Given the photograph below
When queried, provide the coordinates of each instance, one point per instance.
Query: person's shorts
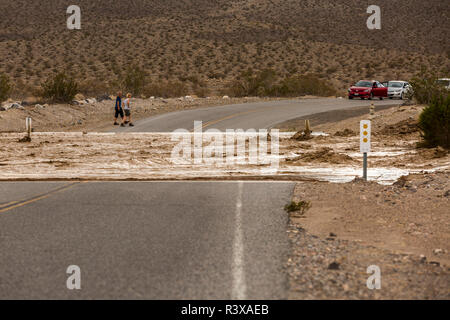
(127, 112)
(119, 112)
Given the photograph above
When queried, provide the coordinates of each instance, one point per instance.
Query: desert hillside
(207, 43)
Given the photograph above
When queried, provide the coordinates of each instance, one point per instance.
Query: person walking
(118, 110)
(127, 108)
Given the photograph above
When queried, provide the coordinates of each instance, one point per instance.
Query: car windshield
(445, 83)
(366, 84)
(395, 84)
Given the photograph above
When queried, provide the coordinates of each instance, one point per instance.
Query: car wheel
(371, 96)
(381, 98)
(391, 98)
(350, 97)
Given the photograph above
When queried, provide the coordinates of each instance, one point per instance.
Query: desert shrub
(303, 85)
(425, 87)
(59, 88)
(253, 84)
(267, 83)
(167, 89)
(301, 207)
(434, 122)
(201, 91)
(5, 87)
(93, 87)
(134, 80)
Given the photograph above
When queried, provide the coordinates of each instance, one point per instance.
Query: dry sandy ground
(403, 228)
(100, 116)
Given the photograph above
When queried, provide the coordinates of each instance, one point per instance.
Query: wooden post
(29, 126)
(307, 128)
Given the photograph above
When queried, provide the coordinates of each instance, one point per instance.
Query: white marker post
(365, 128)
(29, 128)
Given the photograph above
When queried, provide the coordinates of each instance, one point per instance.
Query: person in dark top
(118, 109)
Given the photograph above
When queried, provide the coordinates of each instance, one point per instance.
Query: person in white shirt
(127, 109)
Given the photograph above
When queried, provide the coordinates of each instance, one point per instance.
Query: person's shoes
(122, 125)
(131, 125)
(126, 122)
(116, 124)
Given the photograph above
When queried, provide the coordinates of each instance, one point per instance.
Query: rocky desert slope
(205, 44)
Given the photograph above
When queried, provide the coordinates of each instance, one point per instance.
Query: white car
(398, 89)
(445, 82)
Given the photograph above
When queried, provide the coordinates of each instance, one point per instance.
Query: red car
(368, 89)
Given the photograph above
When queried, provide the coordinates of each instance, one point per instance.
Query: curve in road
(260, 115)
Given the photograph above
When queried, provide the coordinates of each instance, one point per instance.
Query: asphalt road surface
(155, 240)
(144, 240)
(260, 115)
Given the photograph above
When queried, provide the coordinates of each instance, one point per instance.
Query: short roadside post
(29, 128)
(372, 110)
(365, 128)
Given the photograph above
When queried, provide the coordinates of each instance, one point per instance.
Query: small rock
(438, 251)
(333, 266)
(423, 259)
(15, 105)
(25, 139)
(226, 97)
(103, 97)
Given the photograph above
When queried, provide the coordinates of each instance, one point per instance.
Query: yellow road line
(17, 204)
(8, 204)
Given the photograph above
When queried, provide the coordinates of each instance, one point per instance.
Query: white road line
(239, 288)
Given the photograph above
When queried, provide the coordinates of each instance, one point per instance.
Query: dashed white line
(239, 287)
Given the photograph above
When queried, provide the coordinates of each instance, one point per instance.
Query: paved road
(133, 240)
(245, 116)
(155, 240)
